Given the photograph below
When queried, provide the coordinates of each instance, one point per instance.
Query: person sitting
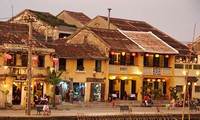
(43, 100)
(46, 109)
(146, 99)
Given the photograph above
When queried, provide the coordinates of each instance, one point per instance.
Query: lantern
(35, 59)
(8, 57)
(157, 55)
(112, 53)
(123, 53)
(147, 55)
(55, 60)
(133, 54)
(166, 56)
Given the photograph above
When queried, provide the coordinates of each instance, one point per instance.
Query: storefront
(79, 91)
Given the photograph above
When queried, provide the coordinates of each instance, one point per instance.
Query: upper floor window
(41, 61)
(98, 66)
(80, 66)
(24, 59)
(146, 59)
(156, 60)
(62, 64)
(166, 60)
(11, 60)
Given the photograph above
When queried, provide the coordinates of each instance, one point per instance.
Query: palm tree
(157, 94)
(54, 79)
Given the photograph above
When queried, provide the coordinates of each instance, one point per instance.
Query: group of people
(43, 101)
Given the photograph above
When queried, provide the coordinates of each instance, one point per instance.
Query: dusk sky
(176, 18)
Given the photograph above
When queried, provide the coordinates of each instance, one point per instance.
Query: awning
(192, 79)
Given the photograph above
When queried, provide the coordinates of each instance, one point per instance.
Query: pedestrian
(71, 94)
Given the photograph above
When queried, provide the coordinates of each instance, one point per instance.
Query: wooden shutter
(102, 92)
(92, 92)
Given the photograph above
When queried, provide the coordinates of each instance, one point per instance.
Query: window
(156, 60)
(197, 88)
(156, 85)
(179, 88)
(24, 59)
(146, 60)
(80, 66)
(166, 61)
(98, 66)
(12, 61)
(112, 60)
(41, 61)
(122, 59)
(62, 64)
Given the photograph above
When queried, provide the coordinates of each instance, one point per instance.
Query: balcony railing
(123, 69)
(157, 71)
(13, 70)
(182, 68)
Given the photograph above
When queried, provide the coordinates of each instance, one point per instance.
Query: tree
(5, 93)
(173, 92)
(157, 94)
(146, 89)
(54, 79)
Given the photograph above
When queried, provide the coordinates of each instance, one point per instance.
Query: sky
(179, 19)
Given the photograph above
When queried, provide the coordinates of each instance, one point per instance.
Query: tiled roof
(76, 51)
(132, 25)
(149, 42)
(116, 40)
(79, 16)
(60, 41)
(12, 33)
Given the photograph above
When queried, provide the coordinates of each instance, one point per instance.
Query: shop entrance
(79, 91)
(16, 94)
(38, 91)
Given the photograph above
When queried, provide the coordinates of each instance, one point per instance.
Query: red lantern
(34, 59)
(8, 57)
(147, 55)
(112, 53)
(55, 60)
(166, 56)
(133, 54)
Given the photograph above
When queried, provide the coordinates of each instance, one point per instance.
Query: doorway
(16, 94)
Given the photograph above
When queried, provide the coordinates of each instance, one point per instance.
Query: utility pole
(29, 20)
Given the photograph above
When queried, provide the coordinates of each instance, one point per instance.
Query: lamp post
(29, 20)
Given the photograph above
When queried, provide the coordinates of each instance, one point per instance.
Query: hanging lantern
(112, 53)
(8, 57)
(166, 56)
(55, 60)
(147, 55)
(34, 59)
(157, 55)
(123, 53)
(133, 54)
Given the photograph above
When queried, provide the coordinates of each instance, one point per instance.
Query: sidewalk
(96, 108)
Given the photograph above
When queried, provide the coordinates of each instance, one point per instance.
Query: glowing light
(163, 80)
(148, 80)
(195, 83)
(166, 56)
(157, 55)
(123, 53)
(147, 55)
(184, 72)
(35, 59)
(112, 77)
(112, 53)
(189, 83)
(133, 54)
(158, 80)
(153, 80)
(55, 60)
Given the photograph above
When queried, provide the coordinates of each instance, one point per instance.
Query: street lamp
(29, 20)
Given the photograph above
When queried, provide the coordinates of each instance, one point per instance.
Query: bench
(125, 108)
(39, 108)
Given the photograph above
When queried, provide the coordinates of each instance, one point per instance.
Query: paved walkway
(100, 108)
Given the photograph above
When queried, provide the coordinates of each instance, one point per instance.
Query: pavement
(95, 108)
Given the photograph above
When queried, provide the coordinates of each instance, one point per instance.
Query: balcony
(123, 69)
(159, 71)
(182, 68)
(13, 70)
